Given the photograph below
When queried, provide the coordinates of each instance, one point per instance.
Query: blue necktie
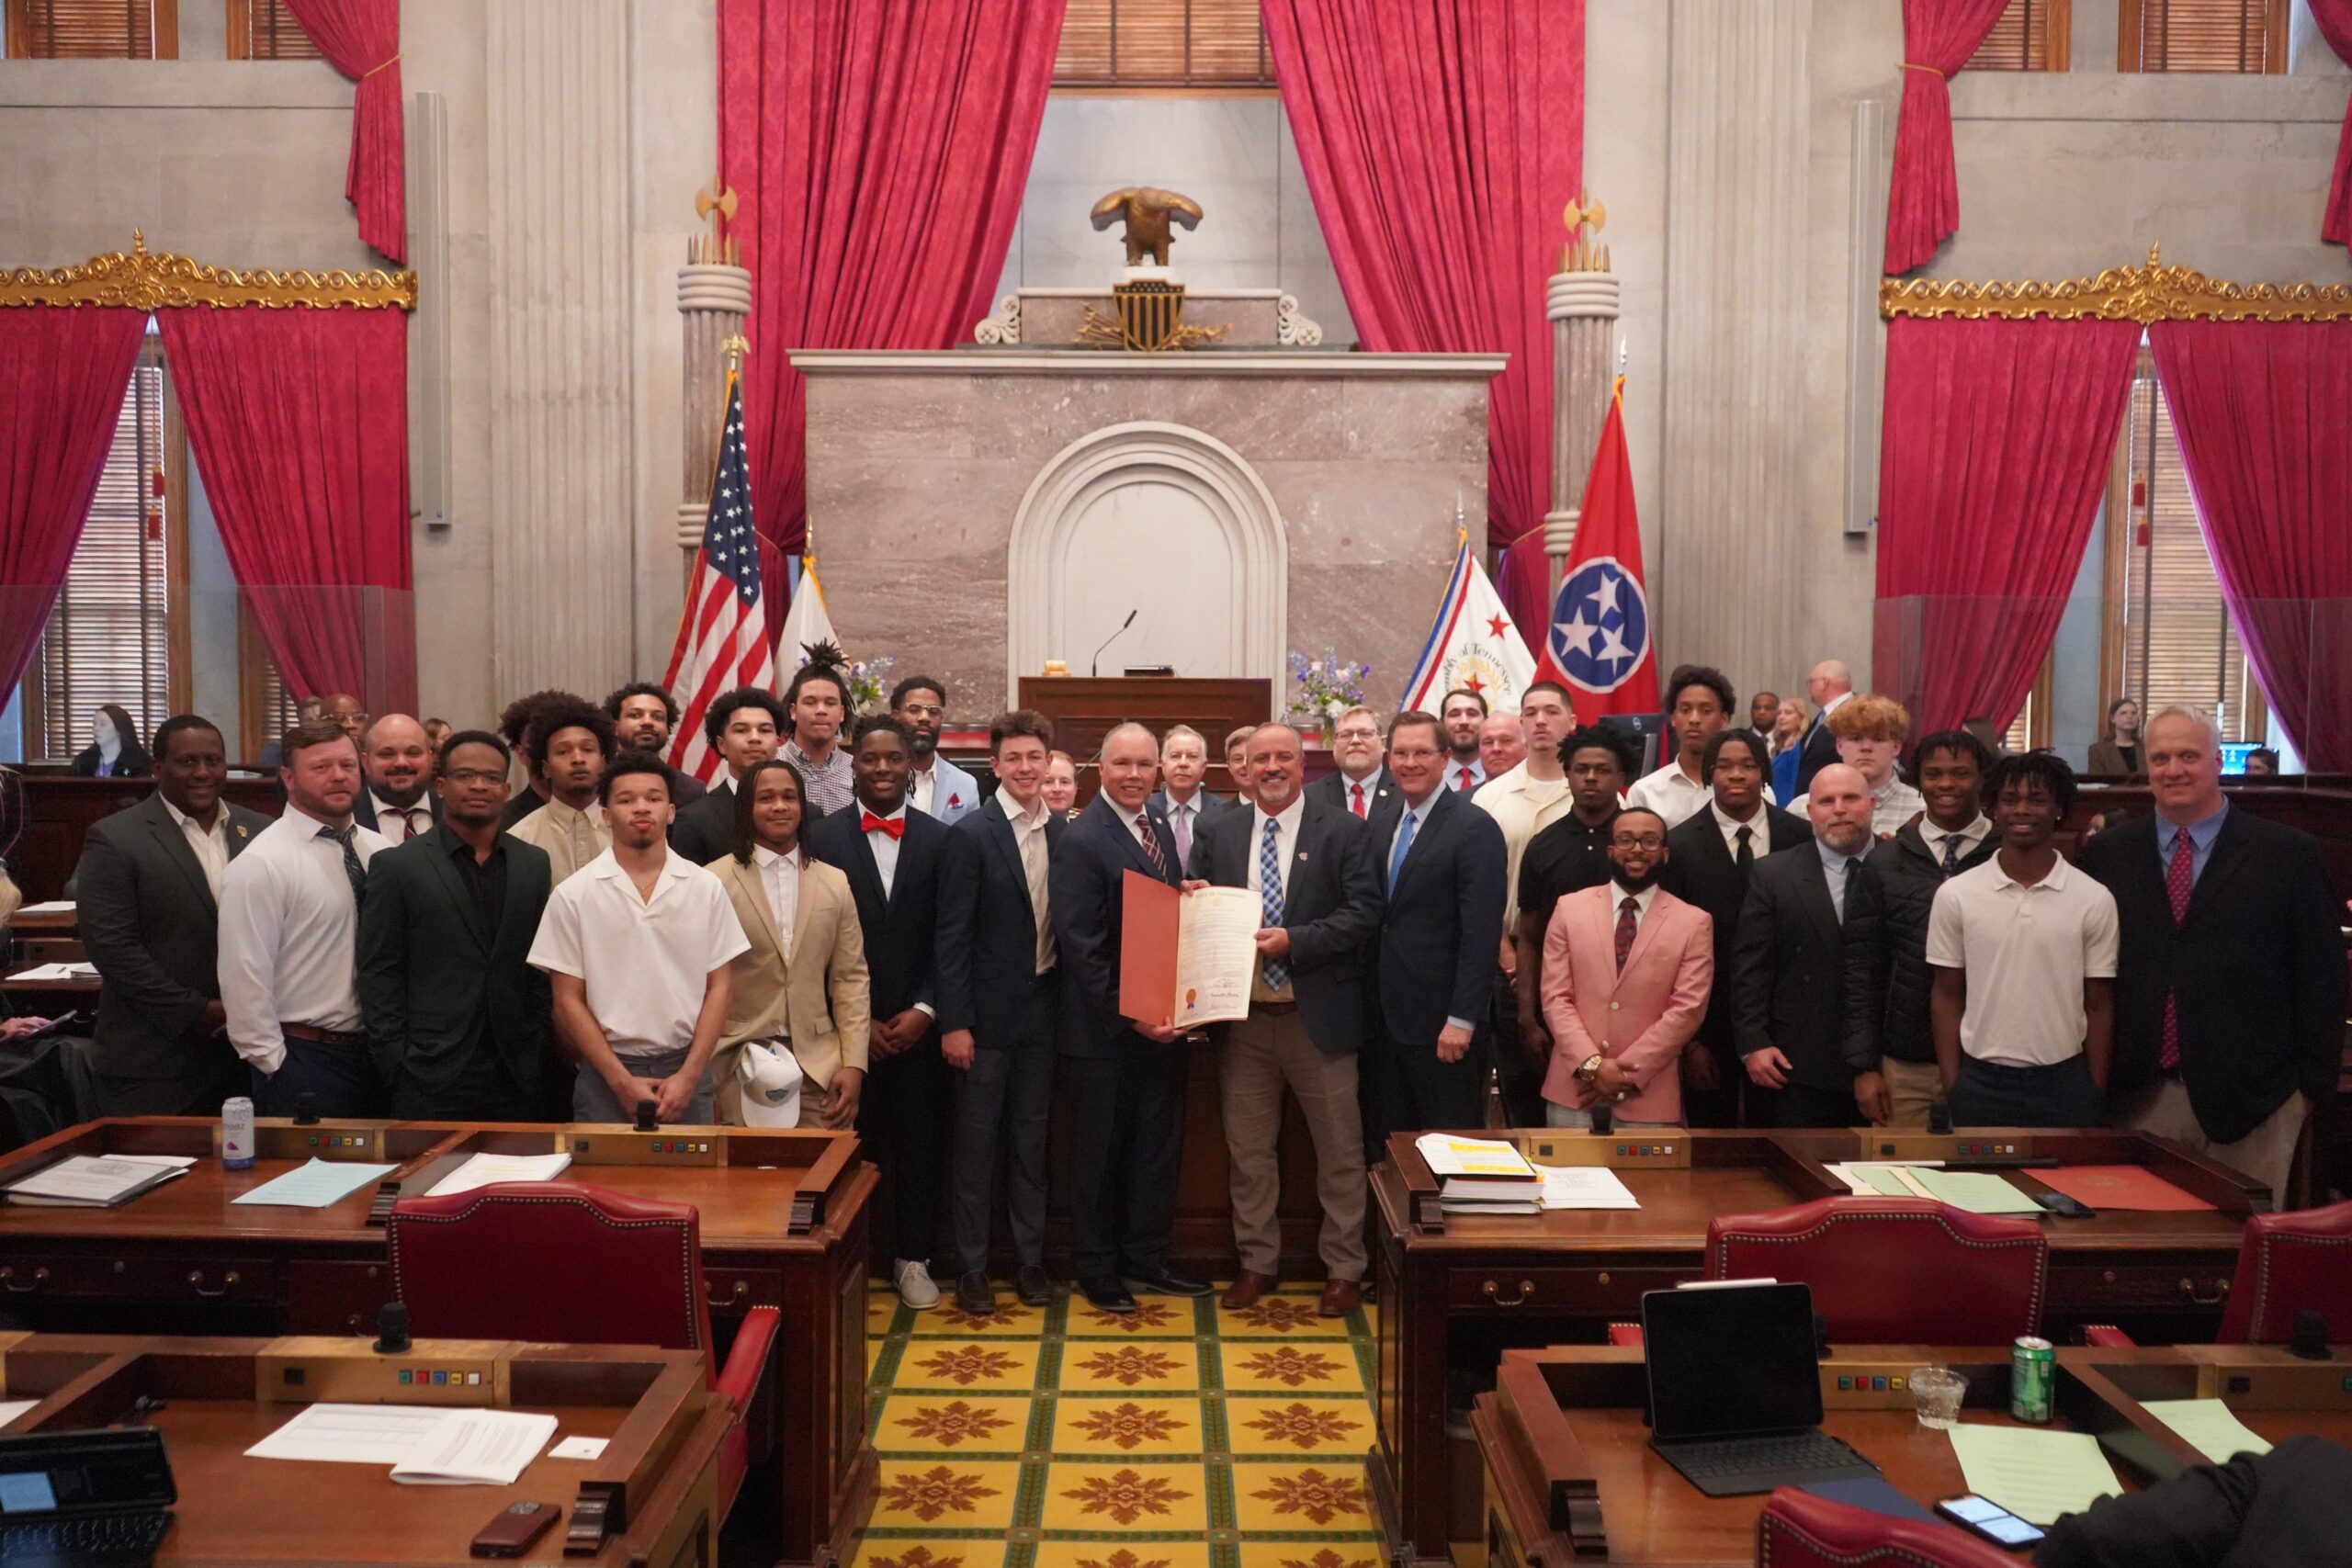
(1404, 843)
(1270, 897)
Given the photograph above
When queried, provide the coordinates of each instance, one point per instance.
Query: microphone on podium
(1096, 667)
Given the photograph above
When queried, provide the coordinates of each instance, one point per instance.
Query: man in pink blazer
(1626, 971)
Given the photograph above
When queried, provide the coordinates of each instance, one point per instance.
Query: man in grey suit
(147, 888)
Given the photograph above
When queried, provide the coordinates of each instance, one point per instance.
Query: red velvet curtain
(1997, 439)
(297, 420)
(880, 150)
(63, 372)
(2264, 411)
(1441, 140)
(362, 40)
(1923, 203)
(2334, 20)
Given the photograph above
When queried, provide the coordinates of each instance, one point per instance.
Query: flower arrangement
(1327, 686)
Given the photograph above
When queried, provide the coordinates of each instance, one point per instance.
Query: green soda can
(2033, 1373)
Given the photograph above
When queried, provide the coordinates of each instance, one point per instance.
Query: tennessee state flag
(1599, 644)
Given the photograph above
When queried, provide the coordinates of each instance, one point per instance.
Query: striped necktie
(1269, 896)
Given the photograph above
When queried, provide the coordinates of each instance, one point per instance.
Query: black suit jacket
(1788, 970)
(147, 919)
(987, 942)
(1443, 923)
(2256, 1511)
(1087, 903)
(1701, 872)
(901, 927)
(362, 811)
(1330, 907)
(2257, 968)
(1383, 801)
(131, 762)
(432, 979)
(704, 830)
(1820, 749)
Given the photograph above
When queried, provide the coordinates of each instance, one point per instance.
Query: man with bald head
(1127, 1074)
(1828, 684)
(396, 761)
(1502, 744)
(1788, 964)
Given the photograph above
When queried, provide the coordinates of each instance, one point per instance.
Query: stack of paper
(1585, 1187)
(1978, 1191)
(2209, 1425)
(54, 907)
(486, 1169)
(1480, 1176)
(57, 972)
(428, 1445)
(96, 1181)
(320, 1184)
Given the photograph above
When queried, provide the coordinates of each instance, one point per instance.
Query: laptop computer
(93, 1499)
(1735, 1389)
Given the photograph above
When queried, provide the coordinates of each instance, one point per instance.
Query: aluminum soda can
(2033, 1373)
(237, 1132)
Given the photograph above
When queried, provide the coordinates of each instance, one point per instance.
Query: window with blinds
(1162, 43)
(266, 29)
(2249, 36)
(2180, 645)
(109, 639)
(2032, 34)
(93, 30)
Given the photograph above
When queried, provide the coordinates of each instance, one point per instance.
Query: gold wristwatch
(1590, 1069)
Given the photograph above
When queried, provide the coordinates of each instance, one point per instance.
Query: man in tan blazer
(804, 978)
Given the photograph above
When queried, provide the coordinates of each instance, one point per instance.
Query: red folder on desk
(2119, 1187)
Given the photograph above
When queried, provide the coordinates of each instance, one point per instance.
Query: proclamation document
(1186, 958)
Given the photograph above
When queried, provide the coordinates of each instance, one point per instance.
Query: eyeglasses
(1646, 841)
(922, 710)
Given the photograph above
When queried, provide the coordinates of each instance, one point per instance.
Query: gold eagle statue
(1147, 212)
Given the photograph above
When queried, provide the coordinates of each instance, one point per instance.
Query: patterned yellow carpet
(1182, 1437)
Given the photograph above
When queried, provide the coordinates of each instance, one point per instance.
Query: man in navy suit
(1184, 763)
(1128, 1077)
(1828, 684)
(896, 860)
(1361, 784)
(1443, 863)
(1309, 863)
(997, 974)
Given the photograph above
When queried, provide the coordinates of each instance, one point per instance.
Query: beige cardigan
(819, 991)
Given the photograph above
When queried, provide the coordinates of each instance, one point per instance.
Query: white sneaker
(915, 1286)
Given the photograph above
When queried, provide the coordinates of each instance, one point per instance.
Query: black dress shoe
(973, 1294)
(1163, 1281)
(1032, 1285)
(1106, 1293)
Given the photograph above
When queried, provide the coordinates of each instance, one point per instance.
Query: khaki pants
(2266, 1154)
(1911, 1087)
(1260, 1054)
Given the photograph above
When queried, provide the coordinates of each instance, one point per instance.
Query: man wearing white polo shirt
(636, 946)
(2023, 950)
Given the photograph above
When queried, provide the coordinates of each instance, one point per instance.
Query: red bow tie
(869, 823)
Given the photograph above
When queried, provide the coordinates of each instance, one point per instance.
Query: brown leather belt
(321, 1036)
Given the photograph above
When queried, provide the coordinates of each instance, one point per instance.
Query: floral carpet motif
(1178, 1436)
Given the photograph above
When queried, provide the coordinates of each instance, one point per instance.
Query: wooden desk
(649, 1498)
(1455, 1292)
(2266, 1387)
(46, 996)
(784, 1225)
(1570, 1476)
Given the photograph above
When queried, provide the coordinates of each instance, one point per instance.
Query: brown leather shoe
(1246, 1289)
(1340, 1297)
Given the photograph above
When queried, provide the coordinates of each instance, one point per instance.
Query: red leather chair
(1895, 1270)
(1798, 1530)
(564, 1262)
(2297, 1261)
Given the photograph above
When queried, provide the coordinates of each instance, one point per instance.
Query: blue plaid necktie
(1270, 897)
(1396, 855)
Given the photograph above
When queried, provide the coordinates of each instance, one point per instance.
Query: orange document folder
(1185, 958)
(2119, 1187)
(1151, 922)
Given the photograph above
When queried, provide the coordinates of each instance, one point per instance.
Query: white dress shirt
(1136, 821)
(645, 962)
(922, 782)
(210, 847)
(1285, 839)
(390, 819)
(290, 933)
(780, 880)
(1970, 837)
(885, 848)
(1671, 792)
(1759, 837)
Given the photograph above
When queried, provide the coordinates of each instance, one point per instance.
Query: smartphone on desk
(2069, 1208)
(1988, 1520)
(511, 1531)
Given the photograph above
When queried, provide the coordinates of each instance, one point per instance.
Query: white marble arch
(1161, 519)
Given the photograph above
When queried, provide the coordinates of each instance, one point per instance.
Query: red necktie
(1463, 782)
(896, 827)
(2180, 880)
(407, 825)
(1356, 806)
(1628, 917)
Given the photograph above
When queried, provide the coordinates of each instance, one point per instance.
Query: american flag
(722, 638)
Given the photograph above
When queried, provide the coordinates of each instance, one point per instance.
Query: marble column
(1727, 569)
(1583, 304)
(557, 76)
(713, 298)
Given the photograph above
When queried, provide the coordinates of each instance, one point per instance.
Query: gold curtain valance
(2152, 293)
(149, 280)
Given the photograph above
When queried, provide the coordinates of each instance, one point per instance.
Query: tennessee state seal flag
(1599, 644)
(1472, 645)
